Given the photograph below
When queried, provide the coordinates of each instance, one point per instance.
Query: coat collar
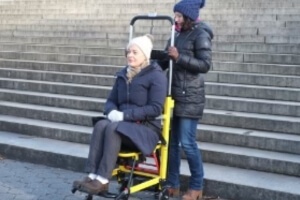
(123, 72)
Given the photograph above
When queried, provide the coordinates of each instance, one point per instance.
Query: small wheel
(89, 197)
(123, 195)
(164, 194)
(74, 190)
(123, 198)
(123, 185)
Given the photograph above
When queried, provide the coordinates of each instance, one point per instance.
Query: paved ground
(25, 181)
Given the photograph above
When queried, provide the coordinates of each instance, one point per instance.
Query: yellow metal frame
(154, 178)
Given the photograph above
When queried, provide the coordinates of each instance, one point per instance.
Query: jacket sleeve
(156, 97)
(202, 59)
(112, 100)
(161, 57)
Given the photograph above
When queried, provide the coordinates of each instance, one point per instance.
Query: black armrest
(159, 55)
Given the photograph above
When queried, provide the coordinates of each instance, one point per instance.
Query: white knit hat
(144, 43)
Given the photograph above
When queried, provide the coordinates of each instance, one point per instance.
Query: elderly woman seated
(137, 97)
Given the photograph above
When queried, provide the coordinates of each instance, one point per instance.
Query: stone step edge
(102, 100)
(109, 87)
(264, 37)
(36, 71)
(73, 157)
(94, 113)
(107, 65)
(121, 56)
(120, 51)
(204, 127)
(212, 147)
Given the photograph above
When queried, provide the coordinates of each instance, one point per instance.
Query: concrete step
(129, 16)
(71, 58)
(217, 47)
(89, 9)
(292, 24)
(69, 2)
(61, 49)
(122, 32)
(257, 39)
(258, 48)
(253, 79)
(258, 23)
(252, 121)
(54, 100)
(282, 39)
(254, 5)
(97, 104)
(250, 2)
(46, 129)
(77, 41)
(14, 23)
(257, 58)
(213, 2)
(157, 31)
(250, 138)
(108, 80)
(66, 77)
(256, 10)
(72, 156)
(249, 105)
(151, 5)
(219, 89)
(124, 25)
(252, 91)
(56, 88)
(62, 67)
(103, 15)
(211, 117)
(19, 9)
(47, 113)
(264, 160)
(275, 32)
(293, 70)
(70, 24)
(260, 160)
(289, 17)
(96, 6)
(287, 59)
(270, 141)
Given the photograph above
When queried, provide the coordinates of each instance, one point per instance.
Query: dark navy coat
(141, 100)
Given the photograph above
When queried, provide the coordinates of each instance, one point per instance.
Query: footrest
(102, 194)
(108, 195)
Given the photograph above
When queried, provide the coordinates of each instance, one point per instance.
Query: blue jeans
(184, 133)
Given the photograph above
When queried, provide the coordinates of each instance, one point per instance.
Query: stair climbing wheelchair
(134, 171)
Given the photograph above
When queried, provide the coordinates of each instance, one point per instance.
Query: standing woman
(137, 97)
(192, 56)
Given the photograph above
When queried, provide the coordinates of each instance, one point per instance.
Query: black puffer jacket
(195, 58)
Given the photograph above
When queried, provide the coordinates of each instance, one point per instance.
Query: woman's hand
(173, 53)
(115, 116)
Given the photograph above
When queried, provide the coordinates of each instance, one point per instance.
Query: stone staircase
(58, 58)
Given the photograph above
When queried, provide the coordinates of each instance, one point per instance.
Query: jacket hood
(204, 26)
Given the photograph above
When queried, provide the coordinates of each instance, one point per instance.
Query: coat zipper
(184, 78)
(127, 94)
(184, 83)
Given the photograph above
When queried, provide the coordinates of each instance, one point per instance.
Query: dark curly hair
(187, 24)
